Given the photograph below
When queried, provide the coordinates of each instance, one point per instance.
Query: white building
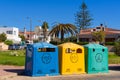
(11, 33)
(39, 34)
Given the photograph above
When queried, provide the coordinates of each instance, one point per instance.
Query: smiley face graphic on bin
(46, 58)
(74, 58)
(98, 57)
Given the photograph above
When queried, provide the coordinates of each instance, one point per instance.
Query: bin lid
(43, 45)
(70, 45)
(93, 45)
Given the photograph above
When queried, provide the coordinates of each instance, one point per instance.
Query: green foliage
(3, 37)
(7, 57)
(8, 42)
(45, 27)
(22, 37)
(35, 41)
(71, 39)
(117, 48)
(82, 43)
(62, 29)
(109, 43)
(82, 17)
(113, 58)
(56, 42)
(98, 36)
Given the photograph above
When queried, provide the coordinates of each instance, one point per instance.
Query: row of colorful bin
(68, 58)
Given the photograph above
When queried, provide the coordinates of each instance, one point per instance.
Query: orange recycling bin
(71, 58)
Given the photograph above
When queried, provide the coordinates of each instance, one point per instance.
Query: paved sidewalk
(15, 73)
(10, 71)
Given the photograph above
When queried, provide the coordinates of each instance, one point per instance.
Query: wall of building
(11, 33)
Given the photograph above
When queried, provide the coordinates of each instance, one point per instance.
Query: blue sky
(15, 12)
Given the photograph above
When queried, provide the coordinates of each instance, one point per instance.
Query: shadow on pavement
(18, 71)
(115, 68)
(22, 71)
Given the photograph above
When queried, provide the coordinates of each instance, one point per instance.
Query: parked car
(21, 46)
(15, 47)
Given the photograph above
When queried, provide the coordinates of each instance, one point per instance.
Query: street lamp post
(30, 37)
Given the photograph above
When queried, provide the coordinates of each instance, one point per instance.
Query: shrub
(3, 37)
(8, 42)
(35, 41)
(109, 43)
(71, 39)
(55, 42)
(22, 37)
(82, 43)
(117, 48)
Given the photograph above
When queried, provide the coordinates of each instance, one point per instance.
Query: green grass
(17, 57)
(113, 59)
(14, 57)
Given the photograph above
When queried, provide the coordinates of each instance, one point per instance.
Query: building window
(28, 36)
(9, 32)
(94, 29)
(97, 27)
(14, 32)
(41, 34)
(103, 29)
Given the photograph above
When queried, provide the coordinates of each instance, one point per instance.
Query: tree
(22, 37)
(8, 42)
(62, 29)
(3, 37)
(71, 39)
(99, 36)
(117, 48)
(82, 17)
(45, 29)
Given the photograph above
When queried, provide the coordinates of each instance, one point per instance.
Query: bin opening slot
(79, 50)
(46, 49)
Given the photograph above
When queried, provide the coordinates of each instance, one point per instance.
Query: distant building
(40, 35)
(29, 35)
(11, 33)
(111, 35)
(37, 34)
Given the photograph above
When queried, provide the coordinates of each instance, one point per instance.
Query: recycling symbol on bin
(74, 58)
(46, 58)
(98, 57)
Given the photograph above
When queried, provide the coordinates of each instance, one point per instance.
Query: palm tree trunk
(62, 36)
(44, 33)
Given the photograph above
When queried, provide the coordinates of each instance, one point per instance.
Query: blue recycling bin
(41, 59)
(96, 58)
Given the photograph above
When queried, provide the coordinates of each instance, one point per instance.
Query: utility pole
(30, 37)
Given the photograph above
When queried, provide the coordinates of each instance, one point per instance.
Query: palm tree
(45, 28)
(62, 29)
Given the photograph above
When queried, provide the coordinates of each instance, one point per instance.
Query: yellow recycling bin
(71, 58)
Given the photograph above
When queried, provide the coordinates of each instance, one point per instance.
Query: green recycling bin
(96, 58)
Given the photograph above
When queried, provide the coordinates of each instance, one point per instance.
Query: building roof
(27, 32)
(109, 32)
